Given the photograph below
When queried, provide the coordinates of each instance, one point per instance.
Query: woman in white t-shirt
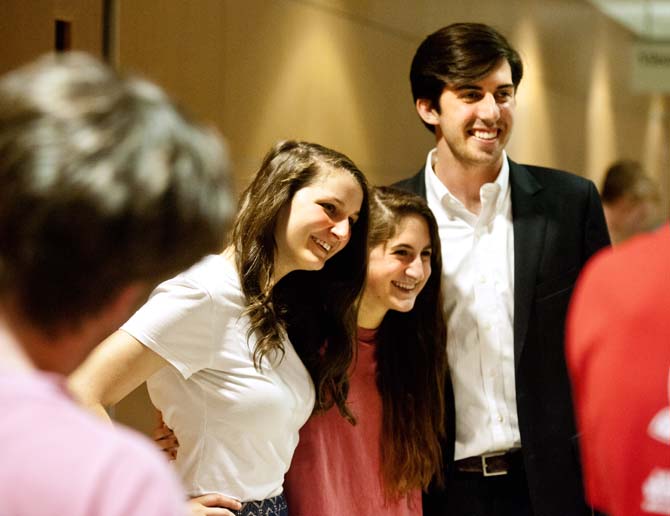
(233, 348)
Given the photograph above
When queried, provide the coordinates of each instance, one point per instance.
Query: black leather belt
(491, 464)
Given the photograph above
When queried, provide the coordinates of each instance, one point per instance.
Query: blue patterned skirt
(275, 506)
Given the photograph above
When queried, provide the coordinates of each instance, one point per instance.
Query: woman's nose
(341, 229)
(415, 269)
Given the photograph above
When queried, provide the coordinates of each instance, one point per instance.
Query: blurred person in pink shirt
(102, 181)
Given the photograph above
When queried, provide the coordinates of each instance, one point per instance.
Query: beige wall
(27, 28)
(336, 72)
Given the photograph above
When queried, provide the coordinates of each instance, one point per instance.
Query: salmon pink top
(336, 467)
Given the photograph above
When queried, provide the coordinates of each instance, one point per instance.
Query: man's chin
(484, 158)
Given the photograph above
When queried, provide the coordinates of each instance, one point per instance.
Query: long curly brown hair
(313, 307)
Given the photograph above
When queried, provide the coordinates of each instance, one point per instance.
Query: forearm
(85, 396)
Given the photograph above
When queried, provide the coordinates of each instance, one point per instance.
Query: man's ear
(426, 111)
(129, 299)
(124, 303)
(76, 341)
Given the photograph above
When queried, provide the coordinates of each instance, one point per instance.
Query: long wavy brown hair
(411, 358)
(313, 307)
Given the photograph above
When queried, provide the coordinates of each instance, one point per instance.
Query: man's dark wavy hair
(458, 54)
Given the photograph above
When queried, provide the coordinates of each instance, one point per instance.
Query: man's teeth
(485, 135)
(323, 244)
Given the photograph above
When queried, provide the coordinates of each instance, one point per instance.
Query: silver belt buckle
(485, 469)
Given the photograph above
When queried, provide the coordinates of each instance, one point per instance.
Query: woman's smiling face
(316, 223)
(397, 270)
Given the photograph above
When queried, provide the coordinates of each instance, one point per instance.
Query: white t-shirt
(237, 427)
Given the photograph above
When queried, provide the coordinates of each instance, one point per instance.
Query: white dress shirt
(478, 282)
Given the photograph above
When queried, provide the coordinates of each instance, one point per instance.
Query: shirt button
(482, 279)
(487, 326)
(500, 419)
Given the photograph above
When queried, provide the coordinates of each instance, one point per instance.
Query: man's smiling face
(476, 119)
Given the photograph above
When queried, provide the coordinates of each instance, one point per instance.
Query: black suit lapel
(415, 184)
(529, 227)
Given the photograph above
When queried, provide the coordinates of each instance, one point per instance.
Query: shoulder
(195, 307)
(131, 476)
(551, 178)
(415, 183)
(212, 282)
(75, 461)
(213, 274)
(643, 259)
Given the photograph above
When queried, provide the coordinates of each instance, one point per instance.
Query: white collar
(489, 194)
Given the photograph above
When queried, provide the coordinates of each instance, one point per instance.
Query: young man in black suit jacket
(514, 239)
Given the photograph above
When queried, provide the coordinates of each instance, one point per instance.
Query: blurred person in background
(618, 349)
(102, 182)
(630, 200)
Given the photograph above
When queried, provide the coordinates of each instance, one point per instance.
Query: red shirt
(618, 350)
(335, 470)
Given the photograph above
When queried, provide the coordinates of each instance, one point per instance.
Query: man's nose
(488, 108)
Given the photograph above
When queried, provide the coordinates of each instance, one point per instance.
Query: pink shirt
(57, 460)
(336, 466)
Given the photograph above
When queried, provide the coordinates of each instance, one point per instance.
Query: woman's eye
(329, 208)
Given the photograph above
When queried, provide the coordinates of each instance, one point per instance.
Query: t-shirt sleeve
(177, 323)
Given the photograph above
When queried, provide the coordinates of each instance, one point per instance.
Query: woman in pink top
(381, 464)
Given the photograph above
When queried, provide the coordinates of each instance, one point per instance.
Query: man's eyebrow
(479, 88)
(467, 87)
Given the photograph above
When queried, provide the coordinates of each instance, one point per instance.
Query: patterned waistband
(275, 506)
